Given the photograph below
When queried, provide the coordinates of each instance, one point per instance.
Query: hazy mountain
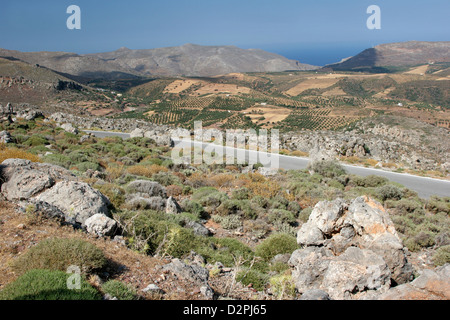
(397, 54)
(188, 60)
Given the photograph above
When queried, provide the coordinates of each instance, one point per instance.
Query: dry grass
(14, 153)
(146, 171)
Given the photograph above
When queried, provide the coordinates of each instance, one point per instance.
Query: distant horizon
(317, 33)
(315, 54)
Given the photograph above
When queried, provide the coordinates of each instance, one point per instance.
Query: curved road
(424, 186)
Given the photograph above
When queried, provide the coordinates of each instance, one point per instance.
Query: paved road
(424, 186)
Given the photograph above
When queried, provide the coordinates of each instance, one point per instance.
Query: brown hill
(397, 55)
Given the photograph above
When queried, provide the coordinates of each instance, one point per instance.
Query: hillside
(189, 60)
(141, 227)
(397, 55)
(21, 82)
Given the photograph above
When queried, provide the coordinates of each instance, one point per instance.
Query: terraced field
(297, 100)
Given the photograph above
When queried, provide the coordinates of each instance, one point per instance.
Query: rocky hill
(188, 59)
(398, 54)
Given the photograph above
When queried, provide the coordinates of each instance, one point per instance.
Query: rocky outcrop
(350, 250)
(410, 142)
(52, 190)
(195, 274)
(430, 285)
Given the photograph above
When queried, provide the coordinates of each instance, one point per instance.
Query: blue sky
(316, 32)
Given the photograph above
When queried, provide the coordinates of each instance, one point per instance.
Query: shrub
(304, 214)
(115, 194)
(85, 166)
(256, 279)
(389, 191)
(370, 181)
(436, 205)
(226, 250)
(442, 256)
(119, 290)
(193, 207)
(282, 216)
(47, 285)
(283, 287)
(257, 228)
(228, 222)
(276, 244)
(59, 254)
(165, 178)
(328, 169)
(240, 194)
(35, 140)
(174, 190)
(58, 159)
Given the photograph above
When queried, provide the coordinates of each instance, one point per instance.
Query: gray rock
(24, 183)
(195, 274)
(198, 228)
(5, 137)
(137, 133)
(172, 206)
(77, 200)
(101, 225)
(69, 128)
(361, 251)
(23, 179)
(315, 294)
(147, 188)
(430, 285)
(136, 202)
(153, 288)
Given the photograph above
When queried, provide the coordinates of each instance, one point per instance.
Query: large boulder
(23, 179)
(52, 190)
(349, 250)
(101, 225)
(78, 200)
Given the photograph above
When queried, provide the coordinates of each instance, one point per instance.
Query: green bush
(226, 250)
(256, 279)
(58, 159)
(436, 204)
(328, 169)
(442, 256)
(283, 287)
(59, 254)
(304, 214)
(119, 290)
(370, 181)
(35, 141)
(240, 194)
(389, 191)
(228, 222)
(85, 166)
(279, 243)
(47, 285)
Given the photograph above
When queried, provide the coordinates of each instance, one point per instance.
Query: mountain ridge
(188, 60)
(397, 54)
